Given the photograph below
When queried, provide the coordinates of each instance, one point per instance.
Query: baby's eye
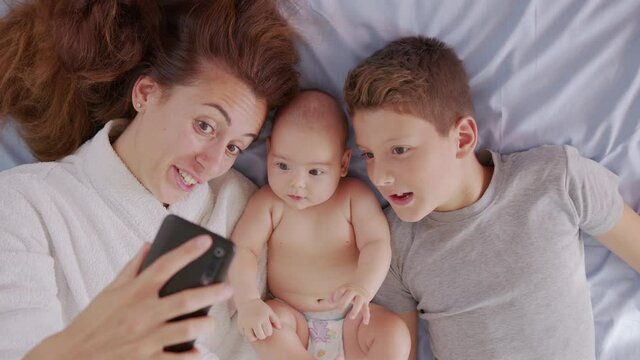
(282, 166)
(399, 150)
(234, 149)
(366, 155)
(315, 172)
(204, 127)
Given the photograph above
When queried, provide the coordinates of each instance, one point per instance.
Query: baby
(328, 247)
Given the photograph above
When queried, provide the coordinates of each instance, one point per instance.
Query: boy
(487, 249)
(328, 247)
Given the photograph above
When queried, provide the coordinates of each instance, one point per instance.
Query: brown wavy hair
(414, 75)
(68, 66)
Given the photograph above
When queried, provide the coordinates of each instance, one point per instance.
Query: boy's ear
(144, 91)
(467, 136)
(344, 164)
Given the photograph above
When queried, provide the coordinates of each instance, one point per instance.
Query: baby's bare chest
(317, 232)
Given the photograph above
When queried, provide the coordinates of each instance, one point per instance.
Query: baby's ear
(344, 164)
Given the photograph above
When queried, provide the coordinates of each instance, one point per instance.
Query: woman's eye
(282, 166)
(234, 149)
(399, 150)
(204, 127)
(315, 172)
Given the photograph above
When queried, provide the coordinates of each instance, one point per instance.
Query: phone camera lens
(218, 252)
(207, 277)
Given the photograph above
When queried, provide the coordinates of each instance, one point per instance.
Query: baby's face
(304, 166)
(410, 163)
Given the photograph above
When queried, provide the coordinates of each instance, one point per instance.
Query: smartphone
(209, 268)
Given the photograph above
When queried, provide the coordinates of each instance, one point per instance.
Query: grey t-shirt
(504, 278)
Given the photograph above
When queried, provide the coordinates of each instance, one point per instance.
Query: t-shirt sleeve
(593, 191)
(393, 295)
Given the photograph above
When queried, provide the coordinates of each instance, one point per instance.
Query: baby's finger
(259, 332)
(346, 300)
(248, 333)
(366, 314)
(267, 329)
(357, 306)
(275, 321)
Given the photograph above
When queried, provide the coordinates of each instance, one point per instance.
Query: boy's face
(304, 165)
(410, 163)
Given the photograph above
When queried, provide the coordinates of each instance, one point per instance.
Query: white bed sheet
(542, 72)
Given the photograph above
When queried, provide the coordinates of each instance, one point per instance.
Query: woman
(142, 110)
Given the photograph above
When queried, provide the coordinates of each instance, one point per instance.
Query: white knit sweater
(68, 227)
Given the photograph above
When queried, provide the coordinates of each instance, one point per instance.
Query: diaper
(325, 334)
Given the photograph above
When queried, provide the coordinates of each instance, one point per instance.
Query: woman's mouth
(184, 180)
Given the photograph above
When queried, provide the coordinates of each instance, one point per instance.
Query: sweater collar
(122, 191)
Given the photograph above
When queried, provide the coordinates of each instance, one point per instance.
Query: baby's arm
(251, 233)
(624, 239)
(373, 240)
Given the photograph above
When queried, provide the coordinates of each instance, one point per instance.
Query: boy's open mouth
(402, 198)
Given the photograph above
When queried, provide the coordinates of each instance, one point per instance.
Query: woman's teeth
(188, 179)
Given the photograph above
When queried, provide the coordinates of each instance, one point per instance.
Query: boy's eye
(315, 172)
(399, 150)
(367, 155)
(204, 127)
(282, 166)
(234, 149)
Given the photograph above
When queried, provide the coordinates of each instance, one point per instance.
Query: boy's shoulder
(535, 164)
(544, 154)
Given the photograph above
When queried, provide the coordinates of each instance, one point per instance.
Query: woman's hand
(128, 320)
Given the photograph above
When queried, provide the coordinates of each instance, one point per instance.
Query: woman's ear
(344, 164)
(466, 135)
(145, 91)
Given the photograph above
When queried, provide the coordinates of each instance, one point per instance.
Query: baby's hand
(256, 320)
(356, 295)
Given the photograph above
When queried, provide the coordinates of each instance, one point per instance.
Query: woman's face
(188, 135)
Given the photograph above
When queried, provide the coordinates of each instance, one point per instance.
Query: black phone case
(209, 268)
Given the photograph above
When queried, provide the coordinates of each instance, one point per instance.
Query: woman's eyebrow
(222, 111)
(227, 119)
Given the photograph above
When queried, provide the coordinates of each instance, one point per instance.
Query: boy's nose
(380, 176)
